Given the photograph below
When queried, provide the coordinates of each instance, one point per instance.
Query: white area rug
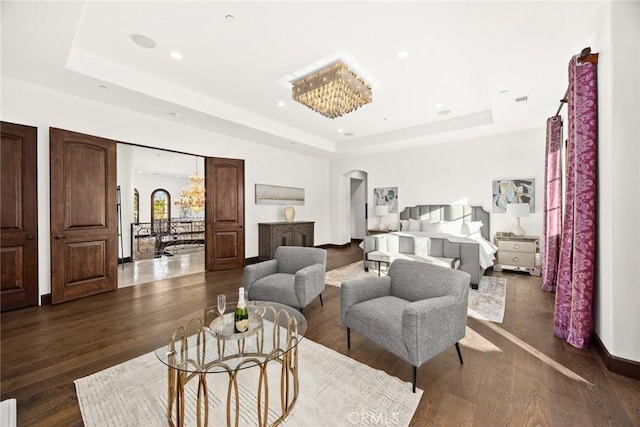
(335, 390)
(486, 303)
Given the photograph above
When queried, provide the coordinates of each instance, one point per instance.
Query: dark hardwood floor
(515, 373)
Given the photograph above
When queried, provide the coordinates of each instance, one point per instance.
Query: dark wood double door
(83, 215)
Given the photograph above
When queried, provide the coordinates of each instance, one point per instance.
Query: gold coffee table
(206, 349)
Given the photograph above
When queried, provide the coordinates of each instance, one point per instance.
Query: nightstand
(518, 254)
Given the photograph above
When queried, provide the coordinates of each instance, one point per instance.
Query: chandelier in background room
(192, 198)
(332, 91)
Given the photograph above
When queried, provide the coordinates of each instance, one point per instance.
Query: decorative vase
(289, 213)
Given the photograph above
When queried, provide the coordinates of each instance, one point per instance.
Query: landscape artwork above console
(513, 191)
(386, 196)
(279, 195)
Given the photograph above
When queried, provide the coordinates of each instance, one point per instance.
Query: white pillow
(469, 228)
(404, 225)
(451, 227)
(431, 227)
(414, 225)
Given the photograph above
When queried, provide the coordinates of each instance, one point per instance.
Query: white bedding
(487, 249)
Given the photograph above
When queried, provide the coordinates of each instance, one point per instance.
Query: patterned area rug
(335, 390)
(486, 303)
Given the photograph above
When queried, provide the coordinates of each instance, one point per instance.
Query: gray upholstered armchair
(415, 312)
(295, 276)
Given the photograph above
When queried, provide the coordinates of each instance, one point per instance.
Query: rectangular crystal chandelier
(332, 91)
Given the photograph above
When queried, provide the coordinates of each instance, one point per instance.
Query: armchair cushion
(385, 330)
(257, 271)
(275, 287)
(356, 291)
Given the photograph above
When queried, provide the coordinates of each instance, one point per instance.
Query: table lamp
(380, 211)
(518, 210)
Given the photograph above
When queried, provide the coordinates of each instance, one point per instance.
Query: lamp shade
(519, 210)
(381, 210)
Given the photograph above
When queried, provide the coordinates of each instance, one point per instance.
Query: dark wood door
(83, 215)
(224, 213)
(18, 216)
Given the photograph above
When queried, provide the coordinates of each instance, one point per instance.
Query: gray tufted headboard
(434, 213)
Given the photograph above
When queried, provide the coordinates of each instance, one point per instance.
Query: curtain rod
(585, 56)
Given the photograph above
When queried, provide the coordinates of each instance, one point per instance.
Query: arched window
(136, 206)
(160, 209)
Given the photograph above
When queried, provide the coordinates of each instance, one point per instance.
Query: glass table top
(208, 344)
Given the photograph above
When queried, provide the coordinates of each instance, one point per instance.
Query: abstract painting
(513, 191)
(386, 196)
(278, 195)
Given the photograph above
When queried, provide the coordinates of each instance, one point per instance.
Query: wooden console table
(271, 235)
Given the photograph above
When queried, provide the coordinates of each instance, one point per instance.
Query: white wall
(126, 184)
(462, 172)
(36, 106)
(618, 270)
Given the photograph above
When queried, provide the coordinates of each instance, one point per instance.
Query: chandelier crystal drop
(332, 91)
(192, 197)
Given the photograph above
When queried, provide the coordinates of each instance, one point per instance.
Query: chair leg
(415, 377)
(321, 302)
(348, 338)
(459, 353)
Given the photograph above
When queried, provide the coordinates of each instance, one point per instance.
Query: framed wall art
(513, 191)
(386, 196)
(279, 195)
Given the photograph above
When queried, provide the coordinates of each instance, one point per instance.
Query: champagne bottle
(241, 316)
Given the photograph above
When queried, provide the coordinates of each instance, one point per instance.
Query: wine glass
(222, 304)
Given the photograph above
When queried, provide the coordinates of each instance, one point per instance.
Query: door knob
(29, 235)
(59, 236)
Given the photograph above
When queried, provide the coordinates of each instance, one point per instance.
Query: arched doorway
(355, 204)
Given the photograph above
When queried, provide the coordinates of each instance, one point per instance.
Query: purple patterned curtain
(552, 220)
(576, 272)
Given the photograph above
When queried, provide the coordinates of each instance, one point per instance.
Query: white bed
(450, 231)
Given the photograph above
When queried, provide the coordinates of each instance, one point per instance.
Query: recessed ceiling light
(175, 114)
(340, 130)
(176, 55)
(229, 18)
(281, 104)
(444, 112)
(439, 106)
(103, 87)
(348, 134)
(504, 91)
(143, 41)
(403, 54)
